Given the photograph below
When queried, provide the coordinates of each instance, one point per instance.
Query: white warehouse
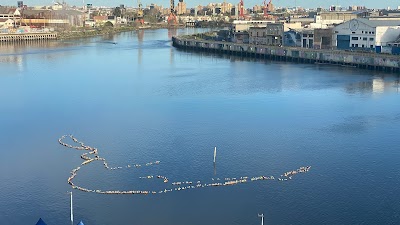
(365, 34)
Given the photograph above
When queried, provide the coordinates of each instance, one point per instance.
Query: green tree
(117, 12)
(108, 24)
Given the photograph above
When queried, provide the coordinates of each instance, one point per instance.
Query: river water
(137, 99)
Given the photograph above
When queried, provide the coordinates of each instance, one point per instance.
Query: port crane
(172, 20)
(265, 9)
(241, 10)
(140, 13)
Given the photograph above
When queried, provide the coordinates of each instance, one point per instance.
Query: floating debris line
(176, 186)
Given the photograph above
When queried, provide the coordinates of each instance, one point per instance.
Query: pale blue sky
(248, 3)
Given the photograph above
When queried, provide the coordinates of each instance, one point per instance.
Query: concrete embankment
(372, 61)
(23, 37)
(93, 32)
(27, 37)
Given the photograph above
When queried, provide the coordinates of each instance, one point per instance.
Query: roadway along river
(138, 100)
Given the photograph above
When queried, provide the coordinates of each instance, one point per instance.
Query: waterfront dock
(371, 61)
(27, 37)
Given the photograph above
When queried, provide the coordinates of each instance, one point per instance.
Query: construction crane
(172, 20)
(140, 13)
(241, 9)
(265, 9)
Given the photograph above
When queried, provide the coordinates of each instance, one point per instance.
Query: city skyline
(248, 3)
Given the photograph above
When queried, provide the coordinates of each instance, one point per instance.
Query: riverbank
(76, 33)
(4, 38)
(371, 61)
(71, 34)
(83, 33)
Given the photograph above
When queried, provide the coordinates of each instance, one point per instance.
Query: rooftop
(7, 10)
(378, 23)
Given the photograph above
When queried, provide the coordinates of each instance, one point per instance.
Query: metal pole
(262, 218)
(215, 153)
(72, 213)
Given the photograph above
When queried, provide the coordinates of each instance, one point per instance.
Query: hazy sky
(305, 3)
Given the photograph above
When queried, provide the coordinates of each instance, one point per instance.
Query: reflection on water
(136, 98)
(376, 85)
(140, 36)
(16, 53)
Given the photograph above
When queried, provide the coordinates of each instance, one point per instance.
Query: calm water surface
(142, 100)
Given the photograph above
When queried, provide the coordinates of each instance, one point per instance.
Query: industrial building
(362, 33)
(271, 34)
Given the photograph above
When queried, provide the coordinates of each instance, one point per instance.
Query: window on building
(354, 38)
(352, 45)
(364, 38)
(363, 46)
(373, 32)
(304, 35)
(311, 35)
(336, 32)
(371, 39)
(362, 32)
(372, 46)
(356, 45)
(353, 32)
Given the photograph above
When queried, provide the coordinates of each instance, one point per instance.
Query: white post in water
(215, 153)
(262, 218)
(72, 213)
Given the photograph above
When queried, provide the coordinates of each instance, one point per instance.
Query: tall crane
(172, 15)
(140, 13)
(265, 9)
(241, 9)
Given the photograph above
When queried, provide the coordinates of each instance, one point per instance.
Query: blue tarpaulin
(40, 222)
(81, 223)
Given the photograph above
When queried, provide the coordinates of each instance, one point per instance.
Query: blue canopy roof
(40, 222)
(81, 223)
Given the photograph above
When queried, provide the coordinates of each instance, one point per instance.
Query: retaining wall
(27, 37)
(372, 61)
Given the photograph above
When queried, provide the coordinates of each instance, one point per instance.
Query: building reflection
(16, 53)
(377, 85)
(171, 32)
(140, 36)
